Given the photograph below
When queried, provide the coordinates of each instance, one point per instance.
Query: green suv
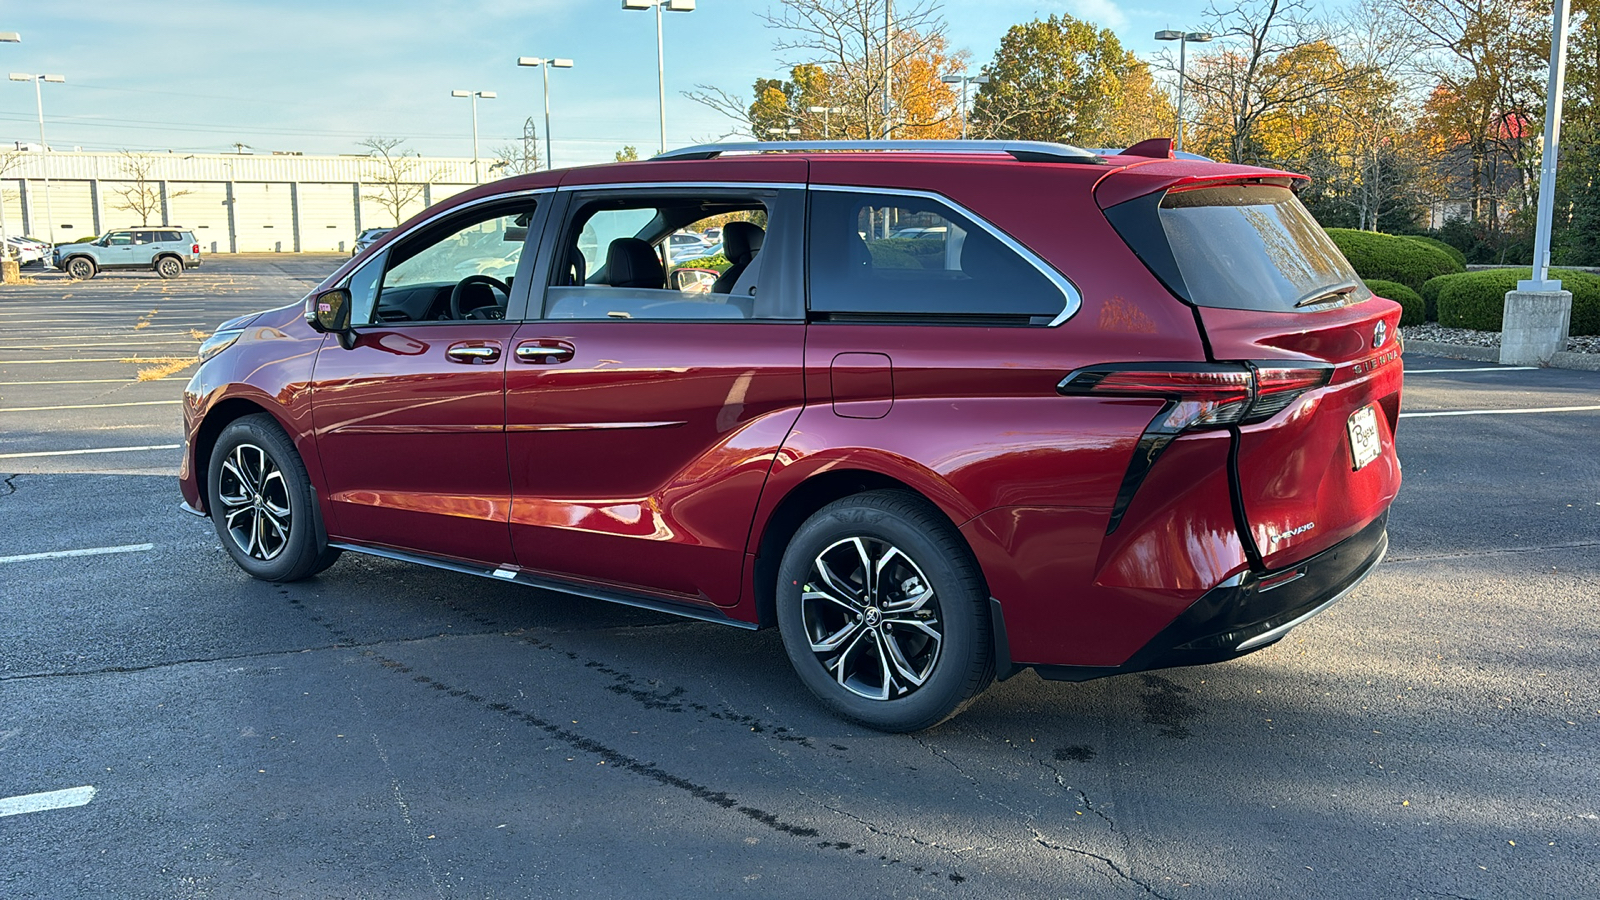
(167, 250)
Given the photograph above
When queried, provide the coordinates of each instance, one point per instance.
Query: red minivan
(955, 409)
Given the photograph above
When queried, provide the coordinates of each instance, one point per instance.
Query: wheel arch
(800, 503)
(218, 417)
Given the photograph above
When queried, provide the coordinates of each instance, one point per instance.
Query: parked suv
(167, 250)
(1102, 414)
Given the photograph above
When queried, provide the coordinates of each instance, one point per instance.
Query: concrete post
(94, 204)
(166, 215)
(294, 212)
(1535, 326)
(23, 197)
(233, 230)
(355, 196)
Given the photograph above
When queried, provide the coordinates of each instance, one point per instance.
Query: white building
(234, 203)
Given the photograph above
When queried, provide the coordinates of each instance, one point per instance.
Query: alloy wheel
(255, 501)
(872, 618)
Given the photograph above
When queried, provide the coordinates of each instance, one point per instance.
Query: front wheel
(883, 612)
(169, 267)
(80, 269)
(261, 502)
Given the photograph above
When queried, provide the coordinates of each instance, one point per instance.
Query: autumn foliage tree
(1064, 79)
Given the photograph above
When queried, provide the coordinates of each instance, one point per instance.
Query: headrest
(632, 263)
(741, 241)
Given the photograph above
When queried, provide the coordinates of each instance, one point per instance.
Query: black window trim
(517, 304)
(1072, 297)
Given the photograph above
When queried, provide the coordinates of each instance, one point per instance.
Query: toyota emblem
(1380, 334)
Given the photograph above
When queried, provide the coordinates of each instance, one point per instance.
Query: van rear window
(1239, 246)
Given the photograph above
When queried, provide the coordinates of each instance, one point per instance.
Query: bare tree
(397, 177)
(9, 159)
(142, 195)
(520, 157)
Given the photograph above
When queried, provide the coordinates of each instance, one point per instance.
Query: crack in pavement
(1041, 840)
(884, 832)
(10, 483)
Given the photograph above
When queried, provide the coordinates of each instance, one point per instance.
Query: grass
(160, 366)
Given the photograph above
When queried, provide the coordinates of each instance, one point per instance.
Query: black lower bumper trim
(1249, 612)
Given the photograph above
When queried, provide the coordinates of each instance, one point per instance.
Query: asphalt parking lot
(389, 731)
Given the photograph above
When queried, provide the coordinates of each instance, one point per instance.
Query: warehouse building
(234, 203)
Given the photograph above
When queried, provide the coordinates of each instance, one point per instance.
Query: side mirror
(329, 313)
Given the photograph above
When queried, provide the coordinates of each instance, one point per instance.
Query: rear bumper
(1248, 612)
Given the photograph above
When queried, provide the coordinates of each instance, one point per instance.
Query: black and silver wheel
(80, 268)
(883, 612)
(169, 267)
(261, 502)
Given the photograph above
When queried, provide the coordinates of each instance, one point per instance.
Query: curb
(1564, 359)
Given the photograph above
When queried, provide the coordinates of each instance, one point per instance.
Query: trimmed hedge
(1410, 302)
(1430, 294)
(1455, 252)
(1478, 299)
(1392, 258)
(715, 261)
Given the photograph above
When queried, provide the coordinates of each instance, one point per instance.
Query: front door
(642, 418)
(410, 420)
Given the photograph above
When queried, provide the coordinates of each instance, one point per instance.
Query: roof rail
(1025, 151)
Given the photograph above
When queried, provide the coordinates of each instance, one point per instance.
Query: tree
(629, 153)
(1063, 79)
(839, 51)
(1260, 71)
(142, 196)
(396, 176)
(1576, 228)
(9, 159)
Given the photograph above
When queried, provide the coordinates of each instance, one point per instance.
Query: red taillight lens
(1203, 394)
(195, 249)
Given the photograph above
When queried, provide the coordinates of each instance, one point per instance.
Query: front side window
(120, 239)
(461, 269)
(886, 255)
(626, 257)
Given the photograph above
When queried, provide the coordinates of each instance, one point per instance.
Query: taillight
(1196, 395)
(195, 249)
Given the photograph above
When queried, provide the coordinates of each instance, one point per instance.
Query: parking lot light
(661, 65)
(1184, 39)
(964, 80)
(10, 37)
(477, 174)
(44, 147)
(546, 64)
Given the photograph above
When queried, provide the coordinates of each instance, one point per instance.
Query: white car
(25, 250)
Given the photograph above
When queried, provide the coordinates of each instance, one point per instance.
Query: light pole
(791, 131)
(826, 111)
(661, 65)
(477, 176)
(1184, 39)
(964, 80)
(38, 96)
(546, 65)
(6, 37)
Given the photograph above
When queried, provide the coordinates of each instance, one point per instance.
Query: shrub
(1478, 299)
(716, 261)
(1392, 258)
(1430, 294)
(1410, 303)
(1455, 254)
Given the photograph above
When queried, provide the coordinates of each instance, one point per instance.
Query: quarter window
(899, 257)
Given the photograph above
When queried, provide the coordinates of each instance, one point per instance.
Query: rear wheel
(80, 268)
(169, 267)
(262, 505)
(883, 612)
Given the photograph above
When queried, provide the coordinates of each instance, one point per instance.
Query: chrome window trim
(691, 185)
(1069, 291)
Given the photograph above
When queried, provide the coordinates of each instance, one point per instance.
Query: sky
(320, 77)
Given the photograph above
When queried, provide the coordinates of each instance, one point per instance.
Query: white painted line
(27, 803)
(1496, 412)
(93, 450)
(88, 406)
(90, 551)
(1481, 369)
(115, 359)
(95, 381)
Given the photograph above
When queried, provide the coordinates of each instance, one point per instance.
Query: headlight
(218, 342)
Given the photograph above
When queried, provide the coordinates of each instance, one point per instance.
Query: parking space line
(38, 453)
(1478, 369)
(1496, 412)
(94, 381)
(40, 362)
(88, 406)
(48, 800)
(88, 551)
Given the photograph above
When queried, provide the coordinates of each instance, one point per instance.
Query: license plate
(1366, 444)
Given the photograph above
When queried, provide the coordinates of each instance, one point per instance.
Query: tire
(262, 505)
(169, 267)
(933, 616)
(81, 268)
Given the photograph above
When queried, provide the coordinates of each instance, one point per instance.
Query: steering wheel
(490, 311)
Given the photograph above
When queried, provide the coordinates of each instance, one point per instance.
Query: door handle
(544, 353)
(473, 353)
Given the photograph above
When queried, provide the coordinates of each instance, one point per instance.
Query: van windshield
(1255, 246)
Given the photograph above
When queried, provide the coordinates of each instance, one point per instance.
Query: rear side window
(897, 257)
(1239, 246)
(168, 236)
